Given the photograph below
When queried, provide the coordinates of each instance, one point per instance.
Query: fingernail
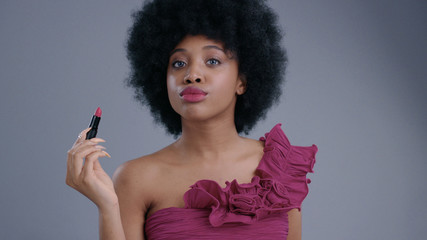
(99, 147)
(106, 154)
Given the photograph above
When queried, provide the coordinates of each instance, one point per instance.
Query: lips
(192, 94)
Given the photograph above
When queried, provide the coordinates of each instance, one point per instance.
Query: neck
(207, 140)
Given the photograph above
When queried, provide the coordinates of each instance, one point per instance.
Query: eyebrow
(204, 48)
(214, 47)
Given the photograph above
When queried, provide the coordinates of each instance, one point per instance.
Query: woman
(208, 70)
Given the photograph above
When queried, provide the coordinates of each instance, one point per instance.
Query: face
(203, 79)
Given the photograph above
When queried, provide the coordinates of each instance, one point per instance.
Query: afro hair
(247, 28)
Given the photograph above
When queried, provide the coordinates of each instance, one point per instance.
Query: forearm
(110, 224)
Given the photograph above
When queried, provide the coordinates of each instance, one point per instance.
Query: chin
(192, 115)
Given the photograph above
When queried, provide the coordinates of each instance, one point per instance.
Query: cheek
(170, 87)
(172, 91)
(226, 84)
(172, 80)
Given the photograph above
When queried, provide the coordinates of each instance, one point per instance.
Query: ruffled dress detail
(280, 185)
(267, 192)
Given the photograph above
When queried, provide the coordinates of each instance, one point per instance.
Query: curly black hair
(247, 28)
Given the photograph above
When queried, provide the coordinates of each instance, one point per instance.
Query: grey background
(356, 87)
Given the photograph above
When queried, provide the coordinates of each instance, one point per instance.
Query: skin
(209, 147)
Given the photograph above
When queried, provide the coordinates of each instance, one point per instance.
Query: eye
(178, 64)
(213, 61)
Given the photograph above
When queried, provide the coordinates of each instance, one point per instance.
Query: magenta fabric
(255, 210)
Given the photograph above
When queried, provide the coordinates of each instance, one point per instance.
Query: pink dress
(255, 210)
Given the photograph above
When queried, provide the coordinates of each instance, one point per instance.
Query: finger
(73, 162)
(106, 154)
(82, 136)
(81, 147)
(76, 149)
(79, 156)
(84, 143)
(91, 160)
(96, 164)
(97, 140)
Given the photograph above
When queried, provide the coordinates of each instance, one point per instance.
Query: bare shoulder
(137, 175)
(136, 171)
(133, 183)
(256, 143)
(253, 146)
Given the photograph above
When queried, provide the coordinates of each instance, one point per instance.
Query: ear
(241, 84)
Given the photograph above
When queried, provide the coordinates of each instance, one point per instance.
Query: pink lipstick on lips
(94, 124)
(192, 94)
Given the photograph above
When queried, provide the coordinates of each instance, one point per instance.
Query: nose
(193, 75)
(190, 80)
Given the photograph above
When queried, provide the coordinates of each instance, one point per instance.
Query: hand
(85, 174)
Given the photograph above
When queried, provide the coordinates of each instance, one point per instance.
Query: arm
(85, 174)
(132, 189)
(294, 219)
(110, 225)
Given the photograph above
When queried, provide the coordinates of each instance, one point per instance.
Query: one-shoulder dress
(255, 210)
